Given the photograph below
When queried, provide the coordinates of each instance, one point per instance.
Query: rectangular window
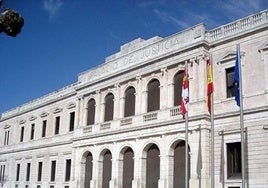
(18, 172)
(44, 128)
(72, 118)
(6, 140)
(32, 131)
(53, 171)
(68, 170)
(230, 82)
(28, 171)
(21, 134)
(39, 175)
(234, 160)
(2, 173)
(57, 125)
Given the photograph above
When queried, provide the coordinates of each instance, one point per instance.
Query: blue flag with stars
(237, 77)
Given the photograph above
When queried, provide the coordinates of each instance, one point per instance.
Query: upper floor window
(57, 125)
(234, 160)
(129, 102)
(153, 100)
(109, 107)
(72, 118)
(6, 141)
(44, 128)
(230, 82)
(91, 105)
(177, 88)
(2, 173)
(32, 131)
(21, 134)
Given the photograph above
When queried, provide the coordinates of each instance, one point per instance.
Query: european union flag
(237, 77)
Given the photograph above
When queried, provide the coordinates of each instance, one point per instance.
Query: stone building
(119, 125)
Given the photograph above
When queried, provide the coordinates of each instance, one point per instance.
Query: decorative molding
(71, 105)
(57, 110)
(7, 126)
(263, 47)
(228, 56)
(32, 118)
(39, 156)
(22, 121)
(44, 114)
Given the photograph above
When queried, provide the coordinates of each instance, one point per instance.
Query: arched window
(91, 112)
(153, 100)
(178, 88)
(179, 165)
(106, 169)
(88, 169)
(109, 107)
(129, 102)
(128, 168)
(152, 167)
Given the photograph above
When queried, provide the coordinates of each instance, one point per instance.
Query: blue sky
(62, 38)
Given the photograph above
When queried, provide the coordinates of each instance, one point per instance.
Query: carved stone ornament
(22, 121)
(228, 56)
(57, 110)
(43, 114)
(7, 126)
(32, 118)
(71, 105)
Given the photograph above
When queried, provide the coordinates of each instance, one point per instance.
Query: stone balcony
(142, 119)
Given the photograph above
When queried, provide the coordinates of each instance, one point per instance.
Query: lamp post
(11, 21)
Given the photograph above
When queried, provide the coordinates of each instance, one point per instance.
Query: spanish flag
(210, 87)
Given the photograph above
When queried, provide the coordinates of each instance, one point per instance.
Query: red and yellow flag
(210, 87)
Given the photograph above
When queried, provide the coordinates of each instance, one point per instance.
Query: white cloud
(52, 6)
(166, 17)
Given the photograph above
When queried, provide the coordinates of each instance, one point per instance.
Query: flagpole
(212, 131)
(186, 137)
(241, 119)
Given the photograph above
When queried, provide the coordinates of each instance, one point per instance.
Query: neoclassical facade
(119, 125)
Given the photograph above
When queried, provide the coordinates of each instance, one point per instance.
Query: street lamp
(11, 21)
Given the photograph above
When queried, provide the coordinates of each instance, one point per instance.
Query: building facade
(120, 126)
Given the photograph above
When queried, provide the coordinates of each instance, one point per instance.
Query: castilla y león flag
(185, 93)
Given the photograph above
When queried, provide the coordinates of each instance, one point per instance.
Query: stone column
(264, 60)
(102, 108)
(98, 107)
(117, 106)
(202, 78)
(79, 112)
(138, 95)
(163, 89)
(163, 171)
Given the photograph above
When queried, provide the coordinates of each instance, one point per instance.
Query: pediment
(263, 47)
(7, 126)
(71, 105)
(43, 114)
(22, 121)
(57, 110)
(228, 56)
(32, 118)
